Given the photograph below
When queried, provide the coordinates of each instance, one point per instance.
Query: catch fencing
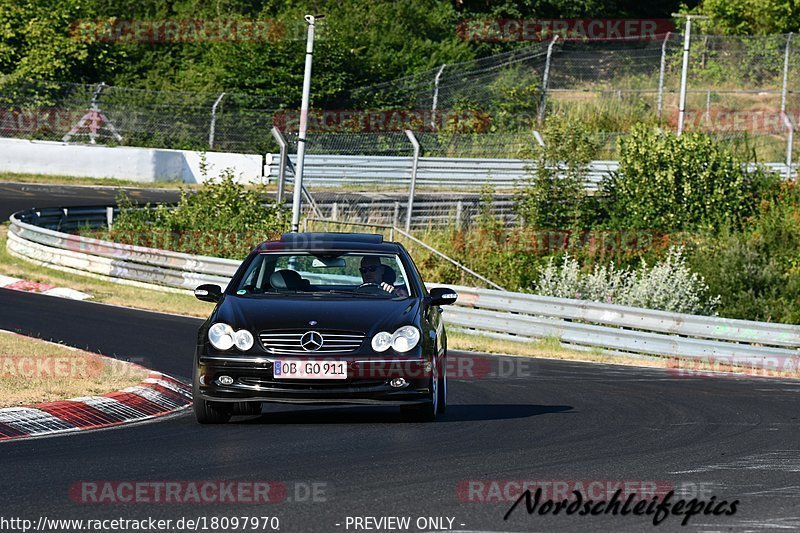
(742, 90)
(617, 330)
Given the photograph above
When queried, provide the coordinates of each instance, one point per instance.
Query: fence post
(459, 213)
(396, 217)
(335, 211)
(786, 119)
(661, 74)
(545, 76)
(414, 164)
(284, 146)
(214, 120)
(436, 96)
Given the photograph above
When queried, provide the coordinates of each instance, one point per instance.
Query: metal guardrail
(337, 170)
(504, 314)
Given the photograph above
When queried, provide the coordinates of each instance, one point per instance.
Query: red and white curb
(156, 396)
(18, 284)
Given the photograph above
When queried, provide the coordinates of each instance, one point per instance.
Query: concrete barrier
(145, 165)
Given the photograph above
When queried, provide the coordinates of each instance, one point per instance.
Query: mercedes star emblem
(311, 341)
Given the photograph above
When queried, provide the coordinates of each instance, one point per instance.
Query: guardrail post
(396, 216)
(661, 75)
(414, 164)
(545, 77)
(214, 120)
(109, 216)
(335, 211)
(459, 213)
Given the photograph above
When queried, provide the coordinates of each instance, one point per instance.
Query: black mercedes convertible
(336, 318)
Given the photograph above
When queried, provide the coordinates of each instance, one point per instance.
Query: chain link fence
(743, 90)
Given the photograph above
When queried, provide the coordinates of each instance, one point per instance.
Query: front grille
(288, 342)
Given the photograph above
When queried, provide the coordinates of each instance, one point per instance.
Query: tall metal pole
(785, 72)
(661, 75)
(545, 76)
(787, 119)
(415, 144)
(301, 139)
(687, 42)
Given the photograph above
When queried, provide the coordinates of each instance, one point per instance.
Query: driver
(372, 271)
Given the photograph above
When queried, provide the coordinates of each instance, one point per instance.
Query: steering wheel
(374, 288)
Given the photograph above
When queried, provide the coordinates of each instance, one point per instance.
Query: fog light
(397, 382)
(225, 380)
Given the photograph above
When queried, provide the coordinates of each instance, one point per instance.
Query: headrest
(286, 279)
(389, 275)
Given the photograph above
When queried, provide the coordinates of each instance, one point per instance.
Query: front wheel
(211, 412)
(426, 412)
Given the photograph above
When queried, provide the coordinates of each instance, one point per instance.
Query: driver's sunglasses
(364, 270)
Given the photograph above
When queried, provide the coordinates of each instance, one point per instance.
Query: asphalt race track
(18, 196)
(722, 437)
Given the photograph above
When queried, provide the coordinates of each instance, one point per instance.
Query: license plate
(297, 369)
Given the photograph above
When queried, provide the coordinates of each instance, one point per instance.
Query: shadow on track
(386, 415)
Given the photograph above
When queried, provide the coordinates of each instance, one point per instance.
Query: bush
(756, 270)
(223, 219)
(671, 183)
(554, 196)
(669, 285)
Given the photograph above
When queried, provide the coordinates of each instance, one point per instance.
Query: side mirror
(208, 293)
(443, 296)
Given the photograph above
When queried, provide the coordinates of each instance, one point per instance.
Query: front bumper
(368, 382)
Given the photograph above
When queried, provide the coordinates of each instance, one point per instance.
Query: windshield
(341, 274)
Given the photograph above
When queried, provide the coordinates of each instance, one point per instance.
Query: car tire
(425, 412)
(211, 412)
(247, 408)
(442, 407)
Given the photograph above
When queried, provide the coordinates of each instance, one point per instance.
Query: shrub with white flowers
(669, 285)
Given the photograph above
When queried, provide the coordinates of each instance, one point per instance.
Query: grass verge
(34, 371)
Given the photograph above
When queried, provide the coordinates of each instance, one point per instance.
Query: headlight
(405, 338)
(223, 337)
(243, 339)
(382, 341)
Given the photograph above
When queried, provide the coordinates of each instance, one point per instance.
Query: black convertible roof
(330, 241)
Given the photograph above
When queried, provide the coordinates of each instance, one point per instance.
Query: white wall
(122, 162)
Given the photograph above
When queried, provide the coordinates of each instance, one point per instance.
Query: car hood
(367, 315)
